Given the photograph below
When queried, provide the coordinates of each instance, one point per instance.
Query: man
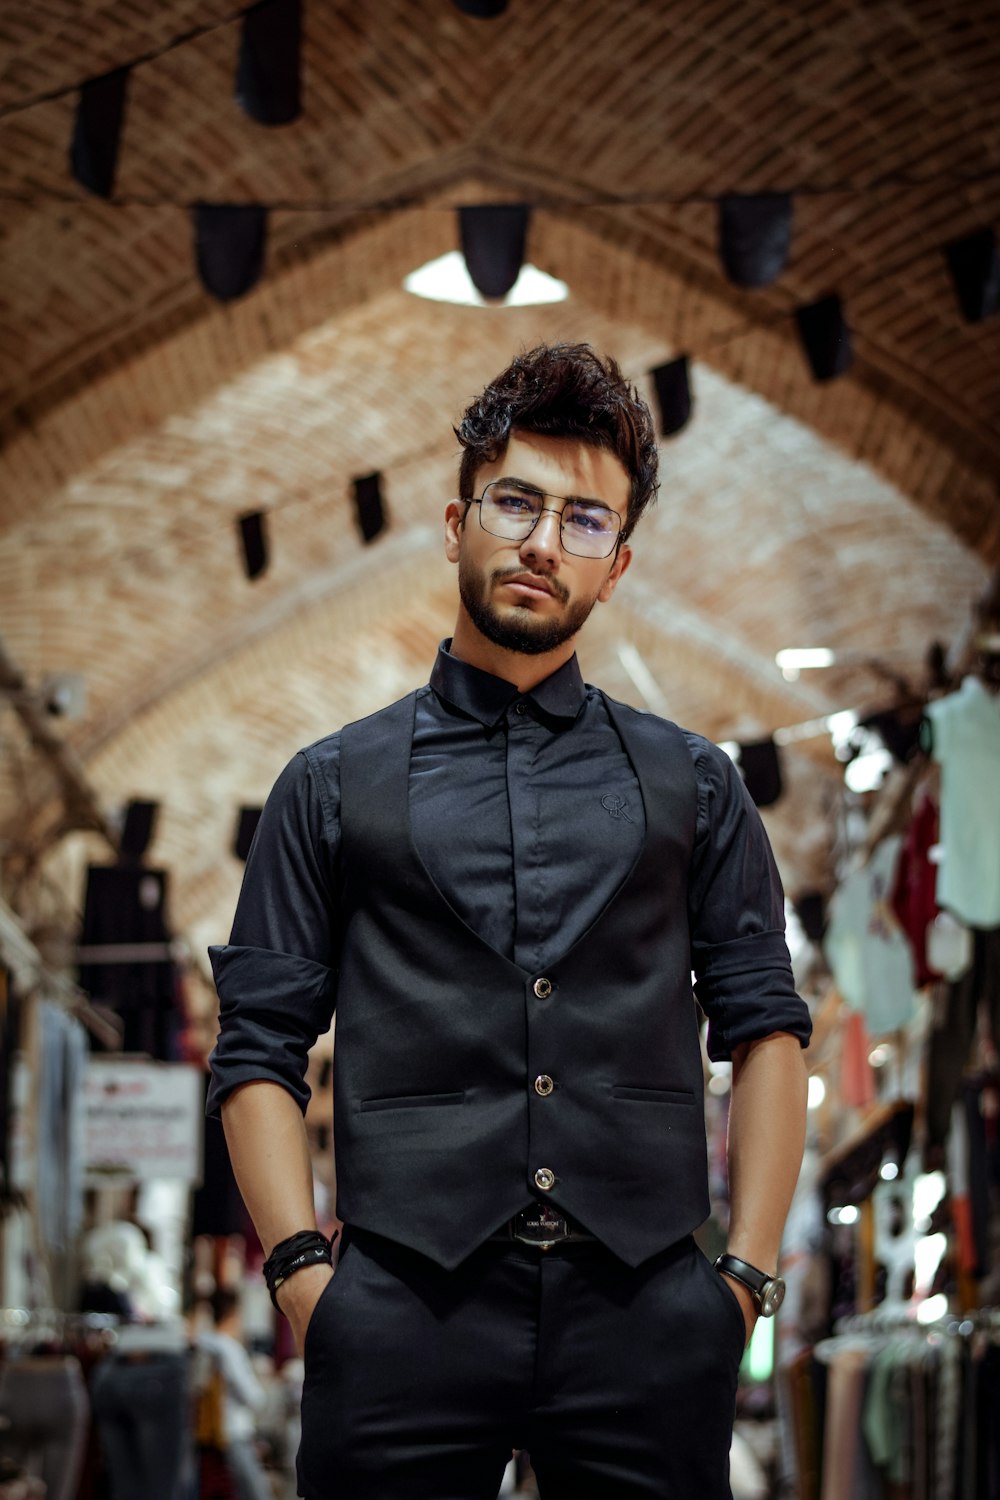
(503, 883)
(244, 1397)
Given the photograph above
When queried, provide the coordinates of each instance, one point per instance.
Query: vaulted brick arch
(138, 418)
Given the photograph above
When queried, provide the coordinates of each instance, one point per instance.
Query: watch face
(771, 1297)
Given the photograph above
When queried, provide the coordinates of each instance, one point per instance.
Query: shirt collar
(487, 698)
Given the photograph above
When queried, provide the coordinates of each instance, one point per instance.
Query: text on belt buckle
(541, 1226)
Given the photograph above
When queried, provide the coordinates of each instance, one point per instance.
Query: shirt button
(545, 1179)
(521, 707)
(544, 1085)
(542, 988)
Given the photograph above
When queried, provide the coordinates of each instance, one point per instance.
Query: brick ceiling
(139, 418)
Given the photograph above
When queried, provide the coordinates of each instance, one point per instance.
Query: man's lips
(531, 583)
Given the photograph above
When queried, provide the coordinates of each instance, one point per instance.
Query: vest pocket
(413, 1101)
(653, 1096)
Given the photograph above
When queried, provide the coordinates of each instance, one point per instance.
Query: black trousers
(620, 1383)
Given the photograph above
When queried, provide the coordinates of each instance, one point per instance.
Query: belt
(544, 1228)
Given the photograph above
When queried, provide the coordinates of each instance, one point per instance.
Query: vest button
(544, 1085)
(542, 988)
(545, 1179)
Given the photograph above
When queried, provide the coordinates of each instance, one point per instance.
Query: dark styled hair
(563, 390)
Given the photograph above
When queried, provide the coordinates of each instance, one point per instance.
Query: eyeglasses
(510, 509)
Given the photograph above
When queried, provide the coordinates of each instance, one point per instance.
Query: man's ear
(454, 520)
(621, 562)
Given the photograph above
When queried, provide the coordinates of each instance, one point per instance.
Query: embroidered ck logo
(616, 806)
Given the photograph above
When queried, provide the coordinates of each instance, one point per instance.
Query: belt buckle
(541, 1227)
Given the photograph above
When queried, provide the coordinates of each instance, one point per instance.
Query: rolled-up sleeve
(276, 977)
(743, 974)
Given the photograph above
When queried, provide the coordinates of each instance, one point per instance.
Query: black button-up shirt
(528, 816)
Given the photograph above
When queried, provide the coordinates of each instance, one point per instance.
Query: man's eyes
(593, 519)
(512, 501)
(590, 520)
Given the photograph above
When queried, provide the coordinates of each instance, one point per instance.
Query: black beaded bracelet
(307, 1248)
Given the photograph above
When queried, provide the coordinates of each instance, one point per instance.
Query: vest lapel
(375, 794)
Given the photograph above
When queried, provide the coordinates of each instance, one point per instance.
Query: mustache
(501, 575)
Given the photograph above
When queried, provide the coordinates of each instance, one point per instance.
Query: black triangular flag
(974, 264)
(493, 236)
(229, 244)
(268, 71)
(760, 764)
(755, 237)
(246, 827)
(138, 829)
(368, 503)
(673, 395)
(93, 152)
(825, 337)
(486, 9)
(253, 543)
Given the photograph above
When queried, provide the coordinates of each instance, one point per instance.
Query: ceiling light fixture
(447, 279)
(797, 659)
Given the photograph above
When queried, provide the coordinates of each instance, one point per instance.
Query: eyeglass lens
(588, 528)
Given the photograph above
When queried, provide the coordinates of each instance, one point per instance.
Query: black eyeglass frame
(620, 536)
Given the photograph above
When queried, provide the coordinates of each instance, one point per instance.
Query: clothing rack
(888, 1403)
(39, 1325)
(900, 1321)
(897, 1316)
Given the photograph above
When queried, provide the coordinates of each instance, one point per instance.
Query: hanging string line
(891, 183)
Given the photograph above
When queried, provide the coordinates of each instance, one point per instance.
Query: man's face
(532, 596)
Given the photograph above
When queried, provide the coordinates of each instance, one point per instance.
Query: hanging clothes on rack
(908, 1411)
(868, 954)
(44, 1406)
(949, 1043)
(966, 744)
(141, 1400)
(914, 898)
(59, 1135)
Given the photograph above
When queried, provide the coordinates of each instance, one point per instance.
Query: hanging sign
(141, 1120)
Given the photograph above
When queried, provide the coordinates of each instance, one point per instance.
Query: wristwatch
(767, 1291)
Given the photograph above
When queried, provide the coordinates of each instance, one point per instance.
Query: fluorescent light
(447, 280)
(799, 658)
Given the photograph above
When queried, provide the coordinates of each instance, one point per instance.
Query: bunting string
(552, 202)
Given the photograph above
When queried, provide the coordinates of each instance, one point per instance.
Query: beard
(522, 630)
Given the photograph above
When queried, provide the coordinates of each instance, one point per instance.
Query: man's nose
(543, 543)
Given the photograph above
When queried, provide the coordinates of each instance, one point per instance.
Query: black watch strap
(767, 1290)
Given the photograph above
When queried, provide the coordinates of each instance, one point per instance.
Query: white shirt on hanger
(865, 946)
(966, 729)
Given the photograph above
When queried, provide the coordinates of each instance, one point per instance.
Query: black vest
(439, 1128)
